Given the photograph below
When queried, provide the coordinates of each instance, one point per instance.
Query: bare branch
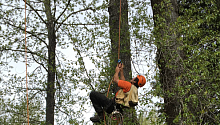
(39, 63)
(61, 110)
(32, 53)
(34, 94)
(36, 12)
(63, 10)
(73, 14)
(38, 89)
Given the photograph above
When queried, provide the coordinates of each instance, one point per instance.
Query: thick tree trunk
(130, 116)
(168, 55)
(50, 99)
(124, 53)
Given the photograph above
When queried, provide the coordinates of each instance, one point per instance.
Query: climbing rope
(118, 44)
(119, 34)
(118, 53)
(26, 65)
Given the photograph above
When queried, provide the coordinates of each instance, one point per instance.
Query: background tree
(52, 27)
(192, 90)
(63, 27)
(200, 42)
(169, 58)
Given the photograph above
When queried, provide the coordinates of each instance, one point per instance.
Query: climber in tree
(127, 95)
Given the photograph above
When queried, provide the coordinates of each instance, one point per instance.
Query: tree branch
(30, 52)
(39, 62)
(63, 11)
(31, 33)
(25, 116)
(72, 14)
(85, 69)
(36, 12)
(84, 24)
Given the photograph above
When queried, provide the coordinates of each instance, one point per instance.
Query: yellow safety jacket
(129, 98)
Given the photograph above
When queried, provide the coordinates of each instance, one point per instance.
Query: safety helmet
(141, 80)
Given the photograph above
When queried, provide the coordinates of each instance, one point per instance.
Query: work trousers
(101, 102)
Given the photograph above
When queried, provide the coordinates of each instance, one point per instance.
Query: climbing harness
(26, 65)
(117, 116)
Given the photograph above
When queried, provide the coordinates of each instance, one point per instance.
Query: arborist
(127, 96)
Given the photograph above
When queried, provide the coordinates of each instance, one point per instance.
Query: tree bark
(130, 116)
(124, 52)
(50, 99)
(168, 56)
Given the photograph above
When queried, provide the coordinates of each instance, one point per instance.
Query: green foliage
(82, 41)
(201, 43)
(150, 118)
(80, 28)
(196, 87)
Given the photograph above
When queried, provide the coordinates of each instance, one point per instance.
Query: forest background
(71, 51)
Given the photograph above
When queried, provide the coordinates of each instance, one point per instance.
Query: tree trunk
(168, 55)
(50, 99)
(125, 52)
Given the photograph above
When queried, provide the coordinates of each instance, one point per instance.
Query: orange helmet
(141, 80)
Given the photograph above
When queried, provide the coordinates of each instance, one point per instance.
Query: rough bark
(50, 99)
(168, 55)
(125, 54)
